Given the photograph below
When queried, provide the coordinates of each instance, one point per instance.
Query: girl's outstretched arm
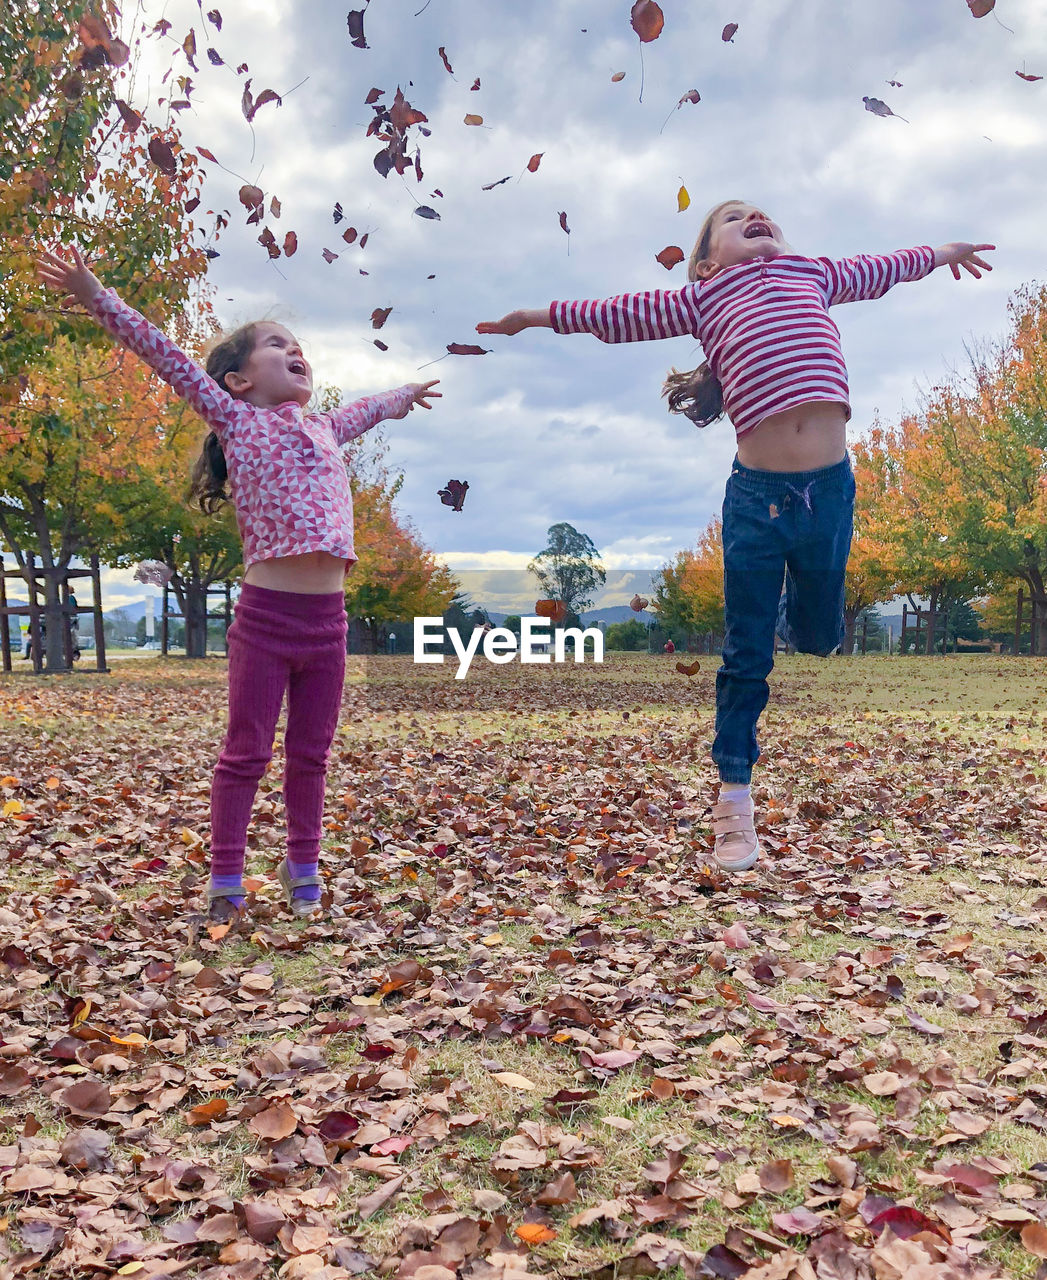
(869, 276)
(352, 420)
(629, 317)
(78, 283)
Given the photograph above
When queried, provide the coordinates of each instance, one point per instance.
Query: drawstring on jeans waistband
(803, 494)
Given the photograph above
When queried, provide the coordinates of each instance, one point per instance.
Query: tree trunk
(850, 620)
(1038, 609)
(194, 606)
(932, 613)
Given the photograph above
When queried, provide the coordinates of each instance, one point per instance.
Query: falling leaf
(349, 235)
(379, 316)
(329, 256)
(355, 22)
(692, 96)
(981, 7)
(424, 211)
(879, 108)
(535, 161)
(1023, 76)
(162, 156)
(638, 603)
(683, 200)
(617, 77)
(686, 670)
(471, 119)
(563, 223)
(443, 58)
(491, 185)
(467, 349)
(727, 34)
(290, 244)
(380, 344)
(554, 610)
(671, 256)
(453, 495)
(647, 20)
(130, 117)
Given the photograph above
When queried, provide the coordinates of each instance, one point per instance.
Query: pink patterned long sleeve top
(287, 475)
(764, 325)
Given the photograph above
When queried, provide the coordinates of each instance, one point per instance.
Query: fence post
(1018, 623)
(96, 588)
(163, 623)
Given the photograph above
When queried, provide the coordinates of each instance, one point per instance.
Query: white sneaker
(736, 847)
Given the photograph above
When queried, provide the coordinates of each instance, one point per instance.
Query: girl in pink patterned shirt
(774, 365)
(288, 481)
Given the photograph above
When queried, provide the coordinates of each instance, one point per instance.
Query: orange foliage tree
(991, 480)
(75, 168)
(689, 591)
(395, 578)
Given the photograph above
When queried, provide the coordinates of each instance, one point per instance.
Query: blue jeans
(791, 525)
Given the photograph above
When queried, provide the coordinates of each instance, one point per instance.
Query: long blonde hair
(697, 393)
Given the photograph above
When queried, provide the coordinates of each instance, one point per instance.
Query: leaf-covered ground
(537, 1035)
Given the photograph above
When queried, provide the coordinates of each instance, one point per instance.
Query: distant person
(668, 647)
(289, 484)
(74, 625)
(774, 365)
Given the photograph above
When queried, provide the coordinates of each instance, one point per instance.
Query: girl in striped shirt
(774, 365)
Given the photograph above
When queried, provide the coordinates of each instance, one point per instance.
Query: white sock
(734, 791)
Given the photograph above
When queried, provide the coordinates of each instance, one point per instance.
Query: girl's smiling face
(275, 372)
(740, 233)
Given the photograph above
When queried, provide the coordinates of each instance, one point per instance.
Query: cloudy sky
(548, 428)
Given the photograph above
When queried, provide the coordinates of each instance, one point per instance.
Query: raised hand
(73, 279)
(958, 255)
(423, 393)
(516, 321)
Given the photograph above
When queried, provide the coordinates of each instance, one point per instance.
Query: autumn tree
(875, 567)
(569, 568)
(395, 576)
(991, 480)
(689, 590)
(905, 547)
(76, 167)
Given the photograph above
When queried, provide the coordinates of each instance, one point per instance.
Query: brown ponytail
(696, 393)
(207, 479)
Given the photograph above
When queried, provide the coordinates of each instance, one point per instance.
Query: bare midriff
(314, 574)
(801, 439)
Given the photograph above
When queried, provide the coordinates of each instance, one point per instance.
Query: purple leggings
(280, 641)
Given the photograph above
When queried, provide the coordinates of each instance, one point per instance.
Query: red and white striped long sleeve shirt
(764, 325)
(287, 475)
